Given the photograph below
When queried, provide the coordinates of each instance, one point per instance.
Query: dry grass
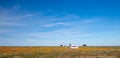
(59, 52)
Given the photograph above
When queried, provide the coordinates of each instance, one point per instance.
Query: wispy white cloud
(13, 17)
(46, 21)
(90, 20)
(87, 21)
(56, 19)
(56, 37)
(10, 24)
(55, 24)
(57, 34)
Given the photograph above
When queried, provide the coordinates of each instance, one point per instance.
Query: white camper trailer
(74, 47)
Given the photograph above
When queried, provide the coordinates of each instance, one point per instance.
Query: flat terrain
(59, 52)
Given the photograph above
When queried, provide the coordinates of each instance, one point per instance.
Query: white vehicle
(74, 47)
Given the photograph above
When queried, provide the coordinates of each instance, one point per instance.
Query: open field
(59, 52)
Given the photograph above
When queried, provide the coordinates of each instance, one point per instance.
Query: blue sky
(55, 22)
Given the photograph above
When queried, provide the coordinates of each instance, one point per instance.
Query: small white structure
(74, 47)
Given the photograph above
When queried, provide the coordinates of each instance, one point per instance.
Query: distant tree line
(71, 45)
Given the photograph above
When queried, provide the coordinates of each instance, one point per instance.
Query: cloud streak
(10, 24)
(56, 24)
(60, 28)
(57, 34)
(14, 17)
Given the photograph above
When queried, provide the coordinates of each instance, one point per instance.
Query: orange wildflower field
(59, 52)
